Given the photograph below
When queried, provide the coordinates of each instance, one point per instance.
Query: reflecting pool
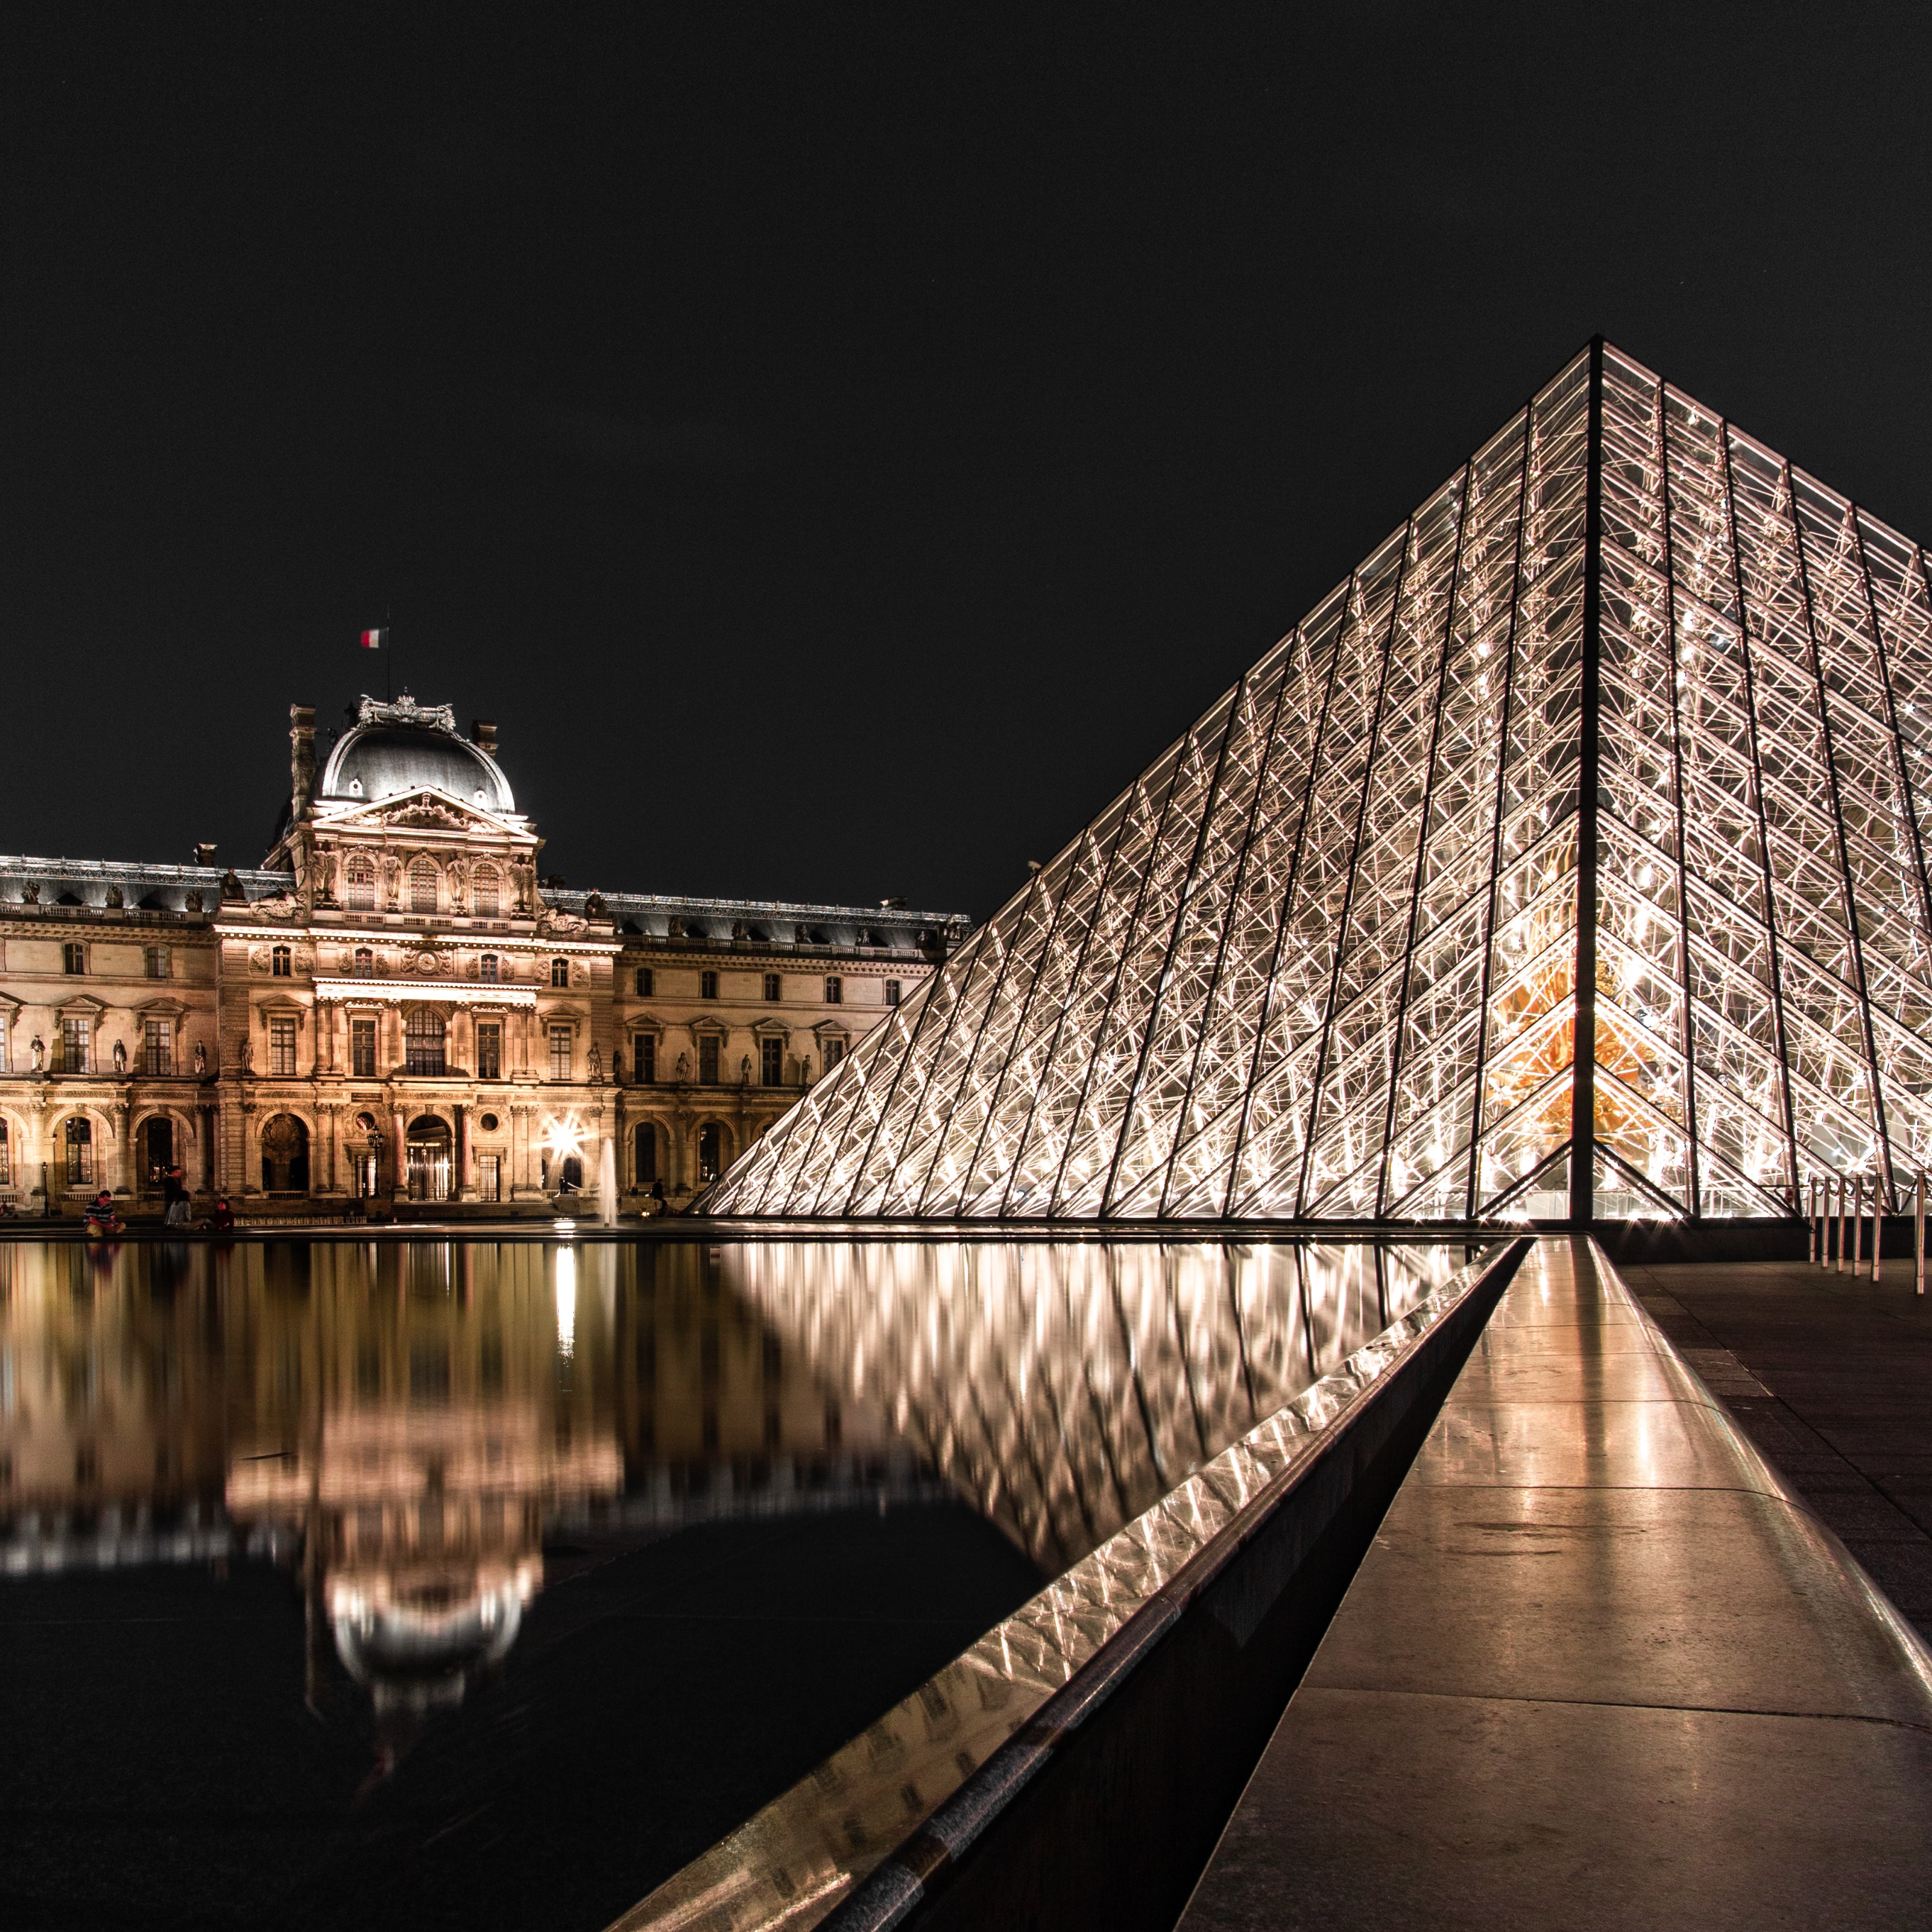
(489, 1583)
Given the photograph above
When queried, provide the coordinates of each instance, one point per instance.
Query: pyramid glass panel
(1624, 738)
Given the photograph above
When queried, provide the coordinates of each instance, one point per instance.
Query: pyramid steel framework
(1323, 960)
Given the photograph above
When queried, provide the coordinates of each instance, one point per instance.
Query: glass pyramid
(1322, 961)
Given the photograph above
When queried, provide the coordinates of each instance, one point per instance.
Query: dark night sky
(841, 446)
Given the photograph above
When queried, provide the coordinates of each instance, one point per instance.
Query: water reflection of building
(1065, 1388)
(402, 1425)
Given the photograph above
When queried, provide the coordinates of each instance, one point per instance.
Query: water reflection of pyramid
(1323, 958)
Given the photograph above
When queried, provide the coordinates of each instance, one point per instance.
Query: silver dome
(386, 756)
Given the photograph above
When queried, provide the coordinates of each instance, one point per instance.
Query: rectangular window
(707, 1059)
(834, 1051)
(560, 1053)
(835, 992)
(644, 1059)
(644, 982)
(76, 1041)
(281, 961)
(774, 987)
(771, 1062)
(362, 1048)
(158, 962)
(483, 901)
(73, 957)
(486, 969)
(489, 1053)
(489, 1176)
(424, 1038)
(707, 986)
(365, 963)
(157, 1047)
(359, 892)
(892, 992)
(282, 1047)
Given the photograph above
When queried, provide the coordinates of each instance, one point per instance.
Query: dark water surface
(464, 1583)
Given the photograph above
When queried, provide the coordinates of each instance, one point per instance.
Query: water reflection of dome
(416, 1640)
(388, 753)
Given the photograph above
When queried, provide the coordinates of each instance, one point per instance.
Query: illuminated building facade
(394, 1006)
(1625, 736)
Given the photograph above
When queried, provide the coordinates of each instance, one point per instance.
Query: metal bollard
(1919, 1231)
(1814, 1225)
(1845, 1185)
(1857, 1224)
(1878, 1221)
(1829, 1234)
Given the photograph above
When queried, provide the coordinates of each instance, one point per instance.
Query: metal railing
(1837, 1206)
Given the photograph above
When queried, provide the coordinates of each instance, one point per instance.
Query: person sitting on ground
(223, 1220)
(101, 1218)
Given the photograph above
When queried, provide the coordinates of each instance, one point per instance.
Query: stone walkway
(1831, 1378)
(1600, 1668)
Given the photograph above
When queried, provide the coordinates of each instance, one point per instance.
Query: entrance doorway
(157, 1149)
(427, 1146)
(285, 1155)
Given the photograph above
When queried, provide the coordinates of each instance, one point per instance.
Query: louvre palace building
(393, 1007)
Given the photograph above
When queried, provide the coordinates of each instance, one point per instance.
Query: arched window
(422, 885)
(359, 884)
(560, 972)
(486, 969)
(80, 1139)
(647, 1154)
(281, 962)
(710, 1153)
(423, 1042)
(365, 963)
(484, 892)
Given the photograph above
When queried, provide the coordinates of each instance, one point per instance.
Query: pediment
(81, 1003)
(428, 808)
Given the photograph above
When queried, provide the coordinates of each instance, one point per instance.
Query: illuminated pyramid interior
(1322, 960)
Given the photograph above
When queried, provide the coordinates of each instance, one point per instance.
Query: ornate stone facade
(392, 1006)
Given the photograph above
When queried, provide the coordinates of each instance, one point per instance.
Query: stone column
(122, 1175)
(207, 1148)
(466, 1188)
(331, 1117)
(400, 1191)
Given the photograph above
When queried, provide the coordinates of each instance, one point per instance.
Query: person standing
(174, 1196)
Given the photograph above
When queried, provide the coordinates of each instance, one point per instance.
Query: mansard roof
(85, 882)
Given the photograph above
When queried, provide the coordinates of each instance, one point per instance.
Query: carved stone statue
(200, 1057)
(39, 1050)
(247, 1056)
(115, 897)
(523, 882)
(193, 902)
(683, 1064)
(456, 875)
(120, 1056)
(30, 893)
(392, 881)
(596, 1057)
(744, 1071)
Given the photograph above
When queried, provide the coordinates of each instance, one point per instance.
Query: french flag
(372, 640)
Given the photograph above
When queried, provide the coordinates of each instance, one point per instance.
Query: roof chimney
(301, 759)
(483, 736)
